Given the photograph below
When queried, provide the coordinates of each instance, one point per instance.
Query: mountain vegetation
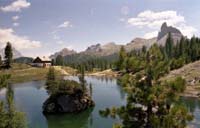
(101, 57)
(25, 60)
(153, 103)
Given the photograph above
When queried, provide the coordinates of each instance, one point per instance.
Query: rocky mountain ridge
(63, 52)
(137, 43)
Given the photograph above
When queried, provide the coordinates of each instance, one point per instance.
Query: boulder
(63, 103)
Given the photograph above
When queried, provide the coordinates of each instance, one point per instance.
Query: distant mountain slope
(24, 60)
(102, 50)
(110, 50)
(16, 54)
(138, 43)
(63, 52)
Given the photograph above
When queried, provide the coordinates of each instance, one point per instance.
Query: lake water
(30, 96)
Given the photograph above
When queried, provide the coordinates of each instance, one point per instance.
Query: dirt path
(62, 71)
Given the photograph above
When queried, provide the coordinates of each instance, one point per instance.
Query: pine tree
(8, 55)
(169, 46)
(0, 61)
(51, 83)
(122, 57)
(52, 62)
(151, 103)
(182, 46)
(59, 60)
(194, 51)
(51, 74)
(82, 78)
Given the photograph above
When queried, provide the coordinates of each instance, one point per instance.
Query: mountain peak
(110, 44)
(164, 25)
(94, 48)
(167, 29)
(67, 50)
(63, 52)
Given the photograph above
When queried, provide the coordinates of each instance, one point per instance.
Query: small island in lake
(66, 96)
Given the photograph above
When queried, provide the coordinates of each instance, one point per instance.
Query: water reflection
(193, 105)
(121, 92)
(9, 116)
(39, 85)
(81, 120)
(30, 96)
(104, 78)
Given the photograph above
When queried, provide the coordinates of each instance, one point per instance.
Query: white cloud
(154, 20)
(69, 47)
(56, 37)
(60, 42)
(15, 24)
(125, 10)
(187, 30)
(151, 35)
(8, 35)
(122, 19)
(15, 18)
(65, 24)
(16, 6)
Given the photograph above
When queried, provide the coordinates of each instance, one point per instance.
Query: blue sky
(41, 27)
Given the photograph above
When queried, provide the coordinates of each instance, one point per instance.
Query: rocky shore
(191, 73)
(62, 103)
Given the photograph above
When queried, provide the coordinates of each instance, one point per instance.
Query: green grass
(69, 70)
(19, 66)
(23, 72)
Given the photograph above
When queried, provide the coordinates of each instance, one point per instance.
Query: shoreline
(191, 91)
(105, 73)
(37, 74)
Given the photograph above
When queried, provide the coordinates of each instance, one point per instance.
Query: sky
(42, 27)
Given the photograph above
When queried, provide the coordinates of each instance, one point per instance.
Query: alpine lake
(30, 96)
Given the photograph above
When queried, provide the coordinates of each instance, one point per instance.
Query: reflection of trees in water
(39, 86)
(90, 89)
(111, 79)
(104, 78)
(10, 118)
(191, 103)
(90, 120)
(35, 84)
(121, 92)
(80, 120)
